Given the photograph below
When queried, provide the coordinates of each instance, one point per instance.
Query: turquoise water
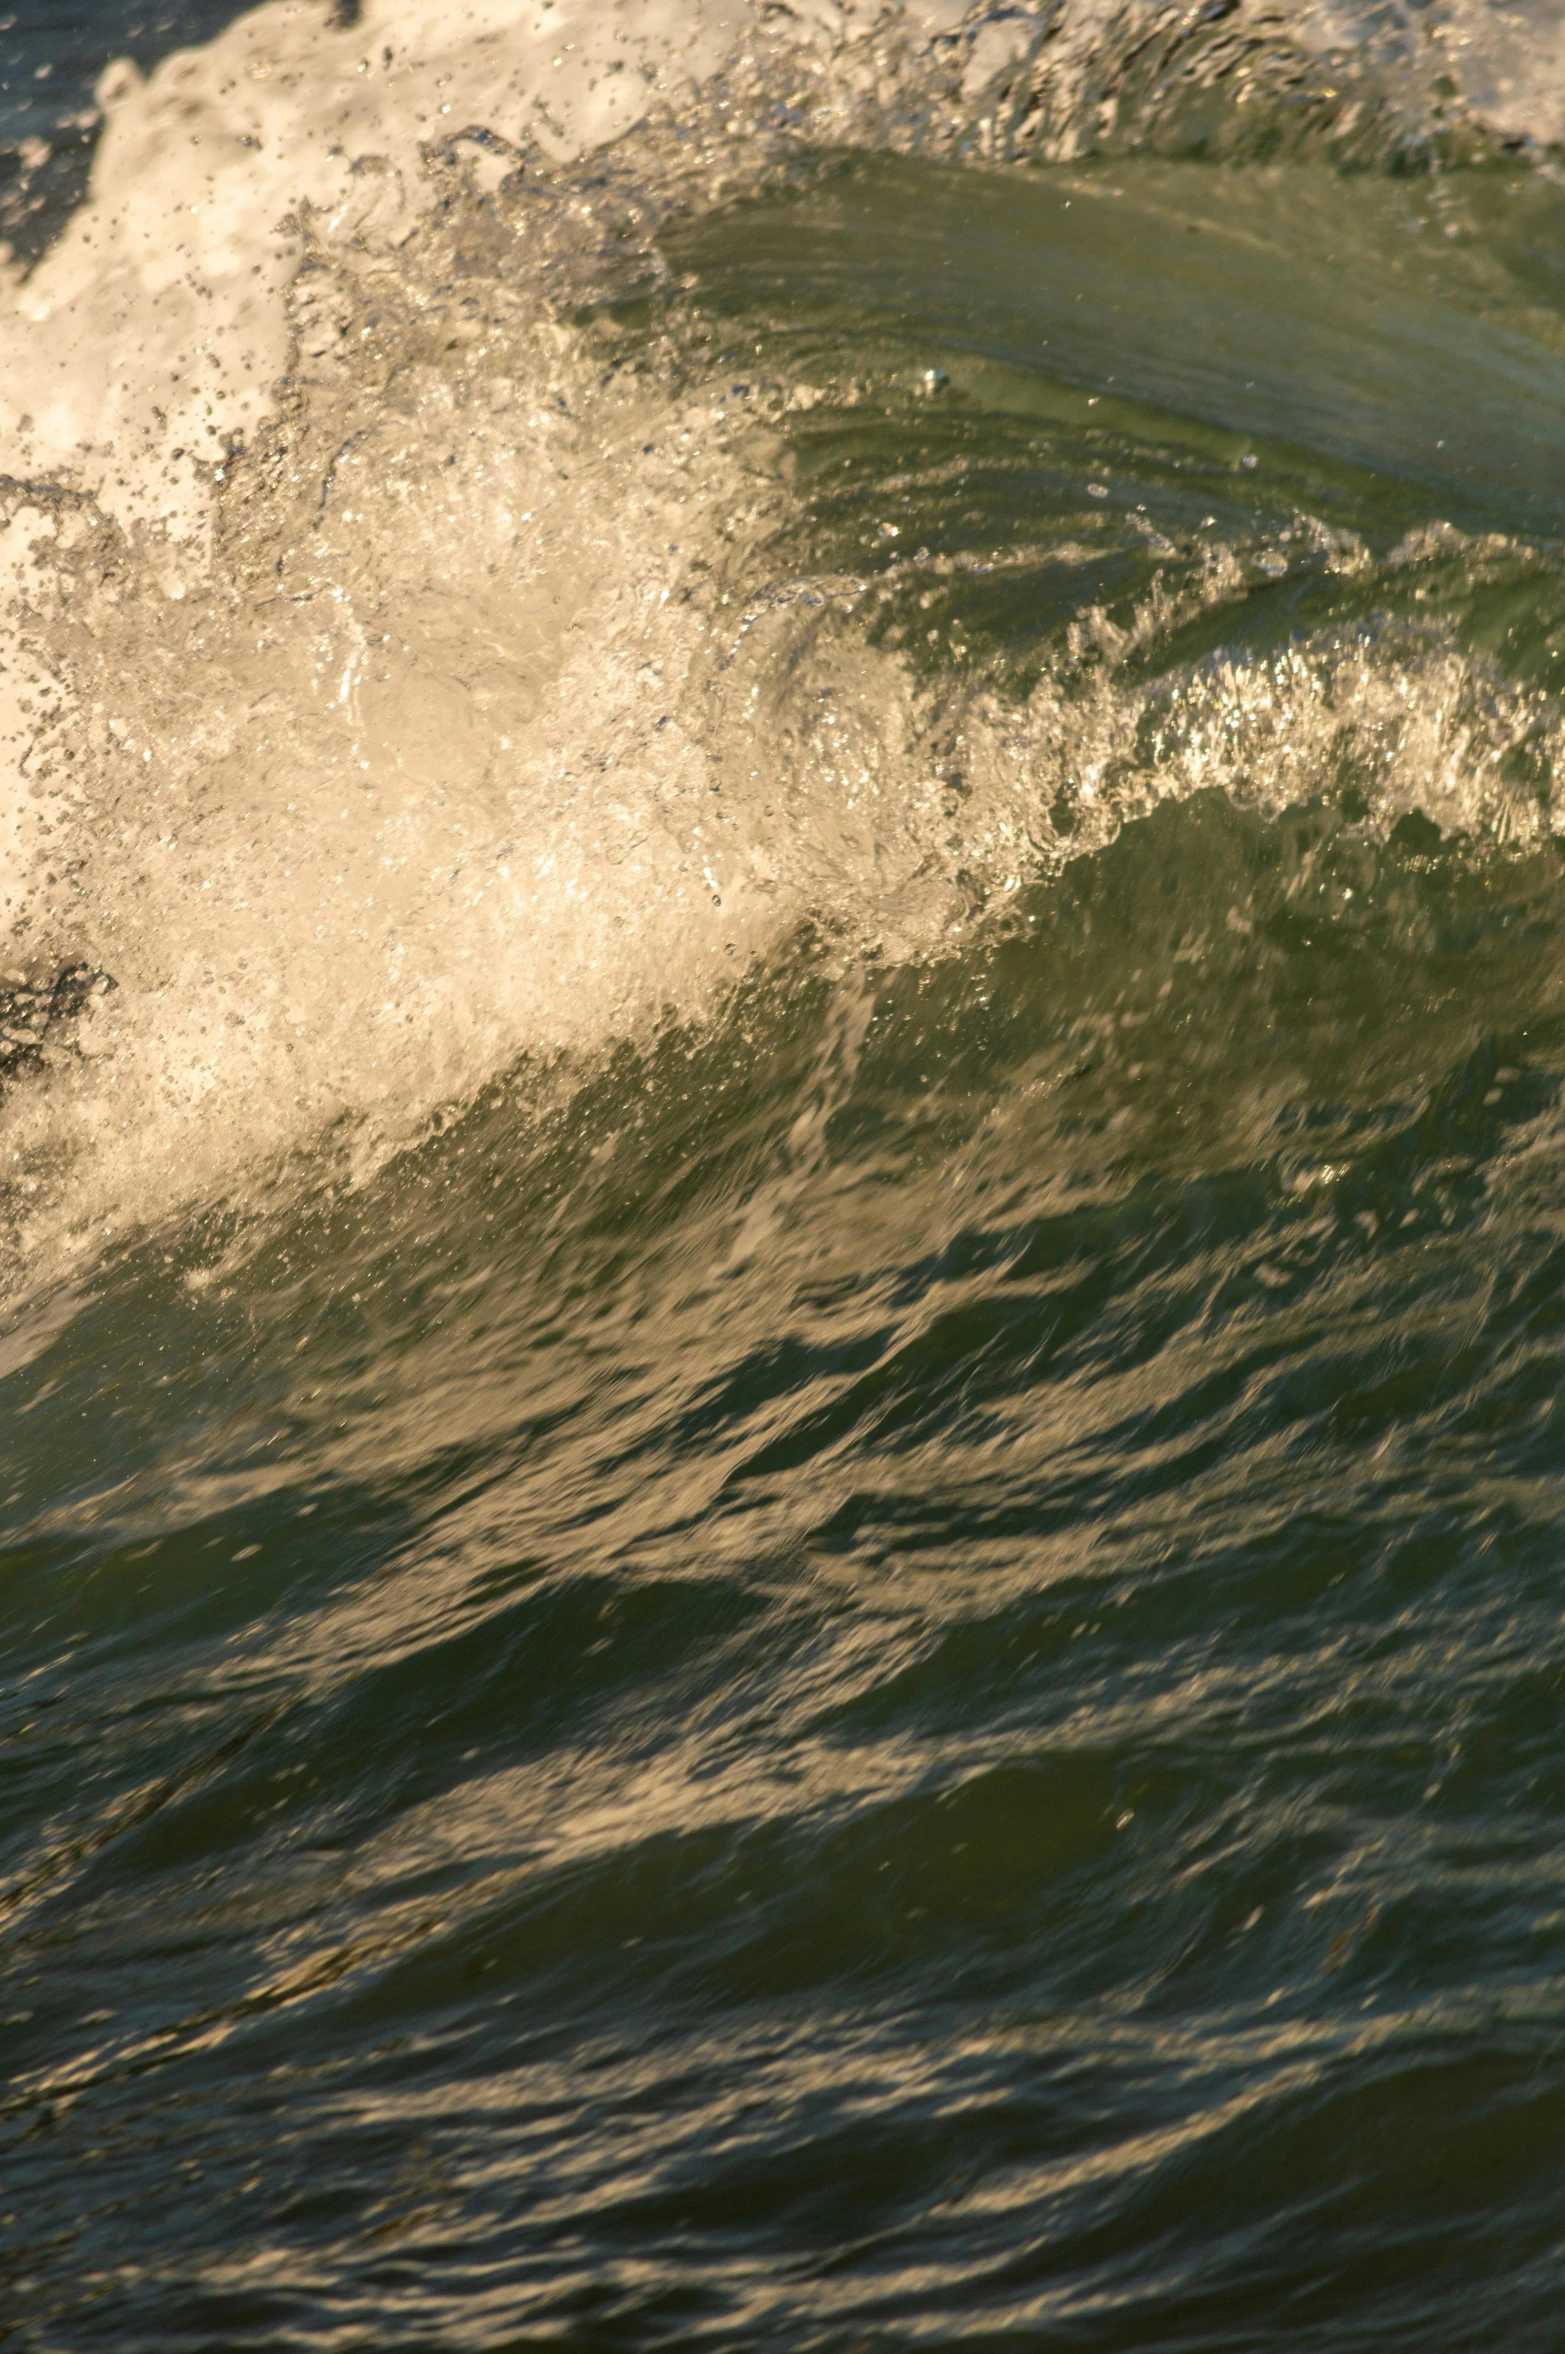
(877, 1661)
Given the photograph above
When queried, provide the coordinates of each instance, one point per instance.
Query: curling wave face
(478, 486)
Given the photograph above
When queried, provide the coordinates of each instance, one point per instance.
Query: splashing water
(779, 1075)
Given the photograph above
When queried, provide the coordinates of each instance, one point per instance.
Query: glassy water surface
(780, 1180)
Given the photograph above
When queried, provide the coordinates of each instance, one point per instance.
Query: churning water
(782, 1177)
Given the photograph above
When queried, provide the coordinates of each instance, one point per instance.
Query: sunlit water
(781, 1209)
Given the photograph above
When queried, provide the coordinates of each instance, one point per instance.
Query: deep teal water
(884, 1667)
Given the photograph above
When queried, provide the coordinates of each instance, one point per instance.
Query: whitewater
(781, 1028)
(391, 656)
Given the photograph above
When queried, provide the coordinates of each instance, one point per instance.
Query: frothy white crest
(464, 712)
(157, 323)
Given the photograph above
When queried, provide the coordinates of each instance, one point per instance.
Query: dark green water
(883, 1664)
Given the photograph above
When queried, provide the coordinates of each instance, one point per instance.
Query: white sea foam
(157, 322)
(391, 689)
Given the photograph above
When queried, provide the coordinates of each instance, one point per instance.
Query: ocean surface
(782, 1177)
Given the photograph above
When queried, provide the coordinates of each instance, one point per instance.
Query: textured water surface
(782, 1557)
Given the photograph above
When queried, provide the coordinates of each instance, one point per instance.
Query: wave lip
(206, 171)
(416, 664)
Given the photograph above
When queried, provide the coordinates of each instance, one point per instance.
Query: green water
(883, 1665)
